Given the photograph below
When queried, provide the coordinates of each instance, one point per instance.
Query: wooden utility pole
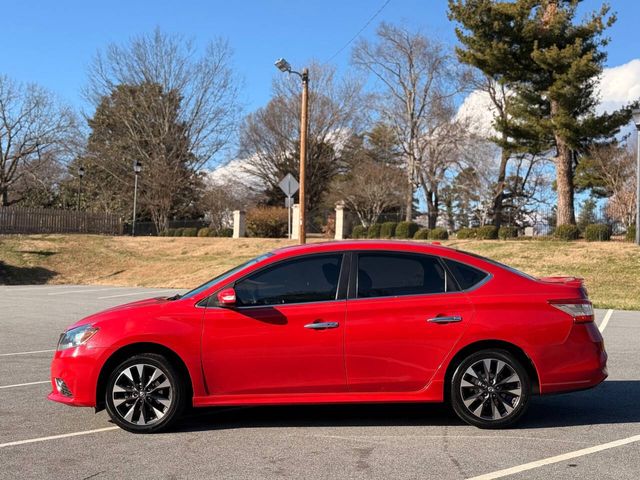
(304, 124)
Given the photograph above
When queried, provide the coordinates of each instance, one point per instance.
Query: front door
(403, 317)
(284, 336)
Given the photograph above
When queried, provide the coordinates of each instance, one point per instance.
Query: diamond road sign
(289, 185)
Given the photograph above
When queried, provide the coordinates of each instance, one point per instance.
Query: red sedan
(340, 322)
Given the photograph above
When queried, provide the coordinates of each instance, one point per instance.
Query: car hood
(132, 308)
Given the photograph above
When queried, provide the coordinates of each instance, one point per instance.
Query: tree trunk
(499, 192)
(564, 184)
(433, 204)
(409, 197)
(5, 196)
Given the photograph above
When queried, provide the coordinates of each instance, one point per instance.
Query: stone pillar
(295, 222)
(239, 226)
(340, 223)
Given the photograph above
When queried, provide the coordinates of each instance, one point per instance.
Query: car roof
(394, 245)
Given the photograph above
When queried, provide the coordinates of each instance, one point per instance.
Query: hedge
(359, 232)
(267, 222)
(204, 232)
(374, 230)
(387, 230)
(190, 232)
(422, 234)
(487, 232)
(465, 233)
(597, 232)
(567, 232)
(438, 233)
(407, 229)
(630, 236)
(506, 233)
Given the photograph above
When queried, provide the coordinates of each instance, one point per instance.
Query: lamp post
(137, 168)
(284, 66)
(80, 175)
(636, 120)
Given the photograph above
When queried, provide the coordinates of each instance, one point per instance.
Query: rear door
(404, 314)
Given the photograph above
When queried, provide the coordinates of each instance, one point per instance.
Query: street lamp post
(80, 176)
(137, 168)
(636, 120)
(284, 66)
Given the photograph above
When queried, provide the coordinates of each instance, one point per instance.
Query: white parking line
(24, 384)
(556, 459)
(55, 437)
(605, 320)
(67, 292)
(25, 353)
(152, 292)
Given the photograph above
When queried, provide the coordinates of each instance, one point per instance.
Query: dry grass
(611, 269)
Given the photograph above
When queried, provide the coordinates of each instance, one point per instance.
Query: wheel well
(484, 345)
(127, 351)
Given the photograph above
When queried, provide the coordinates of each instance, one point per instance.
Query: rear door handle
(322, 325)
(451, 319)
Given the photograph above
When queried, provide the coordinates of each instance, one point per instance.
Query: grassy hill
(611, 269)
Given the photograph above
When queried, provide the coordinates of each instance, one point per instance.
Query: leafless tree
(269, 138)
(418, 78)
(33, 124)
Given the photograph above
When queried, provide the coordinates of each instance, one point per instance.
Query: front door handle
(451, 319)
(322, 325)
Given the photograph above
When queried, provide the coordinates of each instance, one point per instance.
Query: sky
(52, 43)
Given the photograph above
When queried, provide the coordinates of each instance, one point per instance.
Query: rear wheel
(144, 394)
(490, 389)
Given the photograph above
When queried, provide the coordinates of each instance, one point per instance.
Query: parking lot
(590, 434)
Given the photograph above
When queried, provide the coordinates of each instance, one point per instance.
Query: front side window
(391, 274)
(307, 279)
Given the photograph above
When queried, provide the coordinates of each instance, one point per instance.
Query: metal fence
(36, 220)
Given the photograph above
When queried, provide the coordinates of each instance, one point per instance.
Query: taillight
(580, 310)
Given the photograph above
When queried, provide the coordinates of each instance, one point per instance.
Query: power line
(360, 31)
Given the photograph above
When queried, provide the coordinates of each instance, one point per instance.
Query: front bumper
(78, 368)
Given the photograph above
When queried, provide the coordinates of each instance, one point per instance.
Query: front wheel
(490, 389)
(144, 394)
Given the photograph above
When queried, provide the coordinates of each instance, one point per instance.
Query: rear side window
(391, 274)
(467, 277)
(306, 279)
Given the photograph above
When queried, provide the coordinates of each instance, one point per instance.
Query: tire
(496, 400)
(145, 394)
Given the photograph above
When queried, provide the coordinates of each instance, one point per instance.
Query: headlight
(76, 336)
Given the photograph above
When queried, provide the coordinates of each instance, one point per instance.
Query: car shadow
(610, 403)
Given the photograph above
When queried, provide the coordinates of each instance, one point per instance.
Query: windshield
(222, 277)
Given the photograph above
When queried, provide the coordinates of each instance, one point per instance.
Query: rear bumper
(79, 369)
(578, 364)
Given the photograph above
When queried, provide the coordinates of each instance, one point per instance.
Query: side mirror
(227, 297)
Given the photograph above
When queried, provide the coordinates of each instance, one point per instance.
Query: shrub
(487, 232)
(465, 233)
(374, 230)
(422, 234)
(567, 232)
(438, 233)
(224, 232)
(204, 232)
(170, 232)
(406, 229)
(388, 230)
(178, 232)
(506, 233)
(630, 236)
(359, 232)
(162, 233)
(597, 232)
(190, 232)
(267, 222)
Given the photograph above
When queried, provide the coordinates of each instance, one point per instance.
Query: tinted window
(390, 274)
(466, 276)
(310, 279)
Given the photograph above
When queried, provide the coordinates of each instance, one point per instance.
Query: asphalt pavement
(583, 435)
